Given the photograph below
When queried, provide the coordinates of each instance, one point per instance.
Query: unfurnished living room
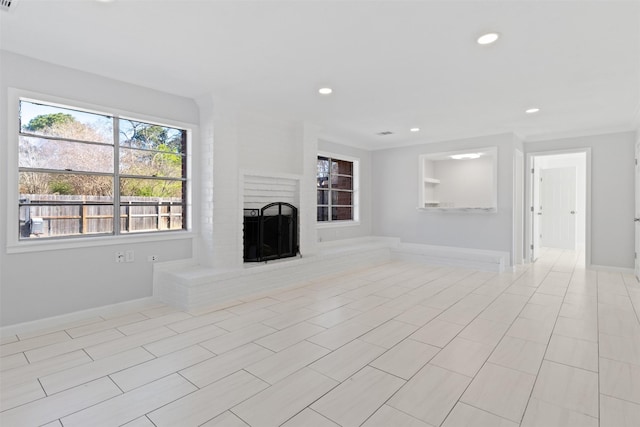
(319, 213)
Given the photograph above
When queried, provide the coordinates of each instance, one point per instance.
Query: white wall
(395, 188)
(247, 144)
(40, 284)
(465, 183)
(612, 193)
(268, 144)
(327, 231)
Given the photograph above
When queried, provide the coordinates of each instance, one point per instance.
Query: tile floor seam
(551, 272)
(116, 384)
(621, 398)
(484, 410)
(381, 405)
(338, 383)
(548, 341)
(598, 335)
(245, 421)
(634, 308)
(188, 380)
(94, 379)
(570, 366)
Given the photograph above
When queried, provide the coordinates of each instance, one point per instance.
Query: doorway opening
(558, 203)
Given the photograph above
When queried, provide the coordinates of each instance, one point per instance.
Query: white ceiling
(393, 65)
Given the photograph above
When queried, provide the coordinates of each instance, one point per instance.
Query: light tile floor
(401, 344)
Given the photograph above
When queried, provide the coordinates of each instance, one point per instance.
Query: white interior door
(637, 218)
(558, 207)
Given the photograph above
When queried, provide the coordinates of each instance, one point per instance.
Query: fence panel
(68, 215)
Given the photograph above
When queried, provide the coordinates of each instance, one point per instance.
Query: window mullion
(330, 201)
(116, 176)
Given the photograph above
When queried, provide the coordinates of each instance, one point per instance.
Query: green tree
(43, 153)
(152, 137)
(46, 122)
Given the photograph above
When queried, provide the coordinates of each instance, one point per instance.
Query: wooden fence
(74, 215)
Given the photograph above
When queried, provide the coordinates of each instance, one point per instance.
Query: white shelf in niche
(464, 181)
(446, 209)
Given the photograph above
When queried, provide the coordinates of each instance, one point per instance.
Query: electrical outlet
(128, 256)
(152, 258)
(119, 256)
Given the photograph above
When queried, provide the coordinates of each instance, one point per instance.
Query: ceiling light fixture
(465, 156)
(488, 38)
(532, 110)
(325, 91)
(415, 129)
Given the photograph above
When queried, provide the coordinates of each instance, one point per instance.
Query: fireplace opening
(270, 232)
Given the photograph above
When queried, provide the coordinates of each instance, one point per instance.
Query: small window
(83, 173)
(336, 189)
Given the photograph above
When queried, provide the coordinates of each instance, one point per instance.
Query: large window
(83, 173)
(336, 180)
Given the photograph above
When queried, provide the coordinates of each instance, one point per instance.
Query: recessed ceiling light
(532, 110)
(488, 38)
(415, 129)
(466, 156)
(325, 91)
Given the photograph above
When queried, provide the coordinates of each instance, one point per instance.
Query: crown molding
(577, 133)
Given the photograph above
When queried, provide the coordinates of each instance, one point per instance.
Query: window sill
(27, 246)
(334, 224)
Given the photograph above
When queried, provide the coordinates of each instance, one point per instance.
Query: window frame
(355, 191)
(16, 245)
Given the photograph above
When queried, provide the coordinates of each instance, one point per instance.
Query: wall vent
(6, 5)
(386, 132)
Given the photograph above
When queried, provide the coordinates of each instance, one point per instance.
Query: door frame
(518, 209)
(529, 213)
(637, 210)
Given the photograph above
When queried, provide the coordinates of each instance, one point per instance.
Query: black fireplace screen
(271, 232)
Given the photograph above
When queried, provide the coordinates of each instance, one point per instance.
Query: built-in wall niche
(459, 180)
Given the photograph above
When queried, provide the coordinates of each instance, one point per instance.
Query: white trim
(608, 268)
(458, 210)
(529, 199)
(636, 118)
(578, 133)
(51, 323)
(518, 211)
(335, 224)
(31, 246)
(481, 259)
(355, 202)
(338, 156)
(15, 245)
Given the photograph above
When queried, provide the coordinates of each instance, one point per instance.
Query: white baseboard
(57, 322)
(611, 269)
(479, 259)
